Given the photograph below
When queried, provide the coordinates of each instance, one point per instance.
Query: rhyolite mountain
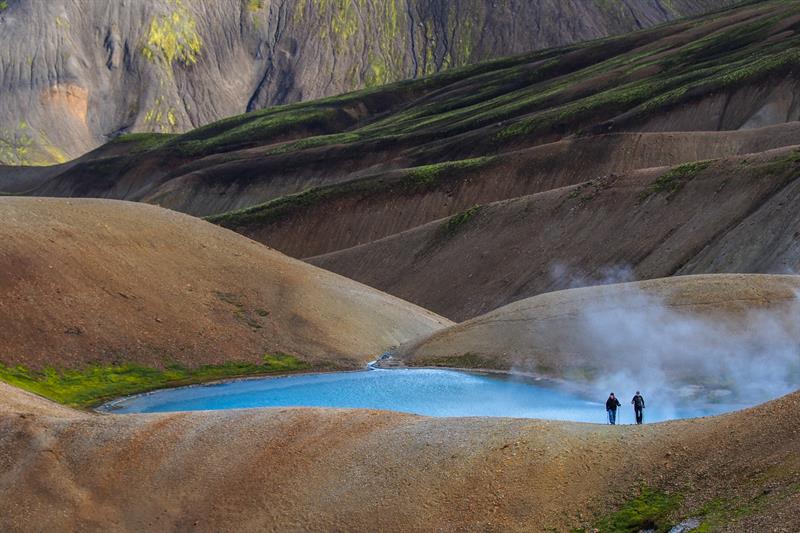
(74, 74)
(673, 150)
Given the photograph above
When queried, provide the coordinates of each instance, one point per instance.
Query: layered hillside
(74, 74)
(346, 215)
(103, 284)
(728, 215)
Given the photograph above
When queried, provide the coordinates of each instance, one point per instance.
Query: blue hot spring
(421, 391)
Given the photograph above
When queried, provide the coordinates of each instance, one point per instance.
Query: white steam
(678, 358)
(567, 277)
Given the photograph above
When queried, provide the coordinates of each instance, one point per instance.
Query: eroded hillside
(730, 215)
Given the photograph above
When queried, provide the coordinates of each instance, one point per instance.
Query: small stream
(430, 392)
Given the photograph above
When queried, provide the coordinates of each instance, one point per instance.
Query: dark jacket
(638, 401)
(612, 404)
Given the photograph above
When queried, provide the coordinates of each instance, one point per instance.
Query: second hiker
(638, 406)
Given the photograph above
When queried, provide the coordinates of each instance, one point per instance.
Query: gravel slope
(99, 281)
(309, 469)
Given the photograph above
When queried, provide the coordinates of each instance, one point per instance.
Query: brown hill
(728, 215)
(94, 281)
(75, 74)
(723, 330)
(347, 470)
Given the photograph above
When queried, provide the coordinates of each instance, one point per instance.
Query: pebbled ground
(311, 469)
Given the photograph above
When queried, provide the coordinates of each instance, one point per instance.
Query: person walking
(611, 408)
(638, 407)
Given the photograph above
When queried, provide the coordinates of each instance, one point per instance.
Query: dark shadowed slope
(75, 73)
(728, 215)
(96, 282)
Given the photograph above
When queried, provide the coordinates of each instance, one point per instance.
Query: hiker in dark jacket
(638, 406)
(611, 408)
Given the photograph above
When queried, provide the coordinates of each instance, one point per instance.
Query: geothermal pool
(420, 391)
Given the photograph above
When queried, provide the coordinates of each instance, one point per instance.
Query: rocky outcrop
(74, 74)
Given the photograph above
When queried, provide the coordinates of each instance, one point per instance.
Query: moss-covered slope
(77, 73)
(733, 69)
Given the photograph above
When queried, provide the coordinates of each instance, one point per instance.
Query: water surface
(422, 391)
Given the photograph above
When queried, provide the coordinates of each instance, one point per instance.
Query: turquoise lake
(421, 391)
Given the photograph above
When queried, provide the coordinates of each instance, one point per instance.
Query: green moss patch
(455, 222)
(771, 489)
(467, 360)
(785, 164)
(672, 181)
(431, 174)
(410, 181)
(650, 510)
(586, 192)
(450, 229)
(144, 141)
(254, 6)
(260, 127)
(93, 385)
(173, 37)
